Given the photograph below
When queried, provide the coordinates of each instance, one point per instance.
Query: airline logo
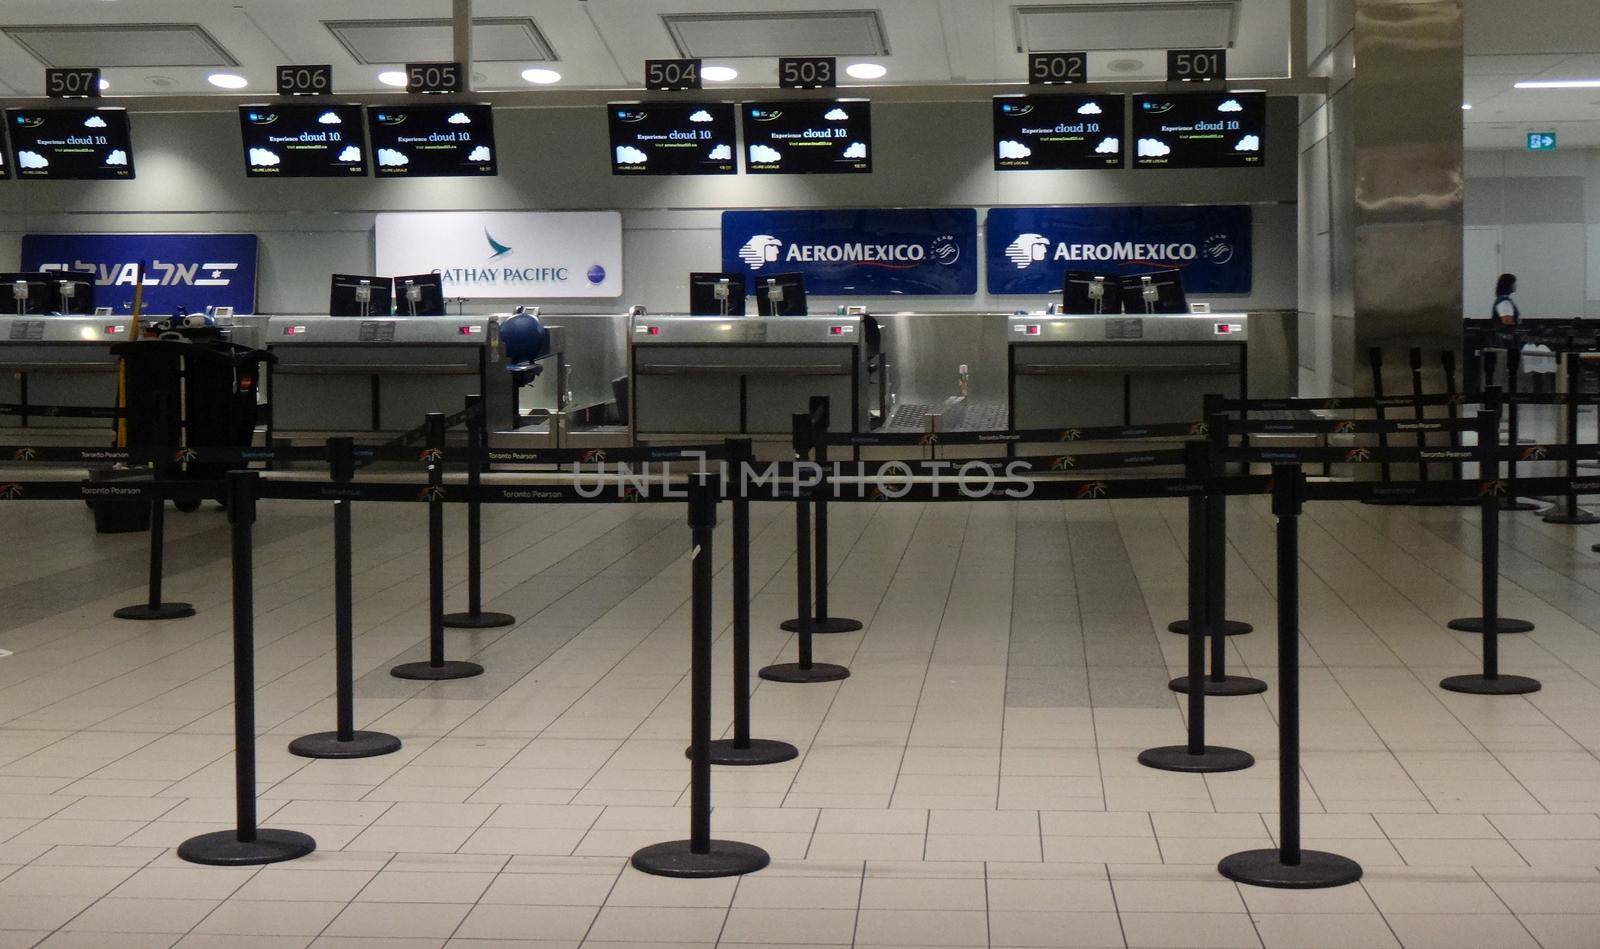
(1030, 249)
(1027, 250)
(160, 273)
(764, 249)
(760, 250)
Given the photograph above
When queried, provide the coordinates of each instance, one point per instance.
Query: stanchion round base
(449, 670)
(1499, 685)
(145, 611)
(1581, 517)
(1230, 627)
(223, 848)
(1226, 686)
(1316, 870)
(676, 858)
(478, 620)
(833, 624)
(361, 745)
(1213, 759)
(1517, 504)
(1474, 624)
(759, 751)
(791, 672)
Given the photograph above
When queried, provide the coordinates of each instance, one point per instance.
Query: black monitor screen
(26, 294)
(672, 138)
(71, 294)
(346, 291)
(303, 141)
(825, 137)
(428, 291)
(716, 294)
(71, 144)
(1199, 130)
(432, 141)
(1059, 133)
(1154, 293)
(781, 295)
(1091, 293)
(5, 162)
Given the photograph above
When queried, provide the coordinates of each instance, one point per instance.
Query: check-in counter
(1122, 370)
(60, 360)
(747, 375)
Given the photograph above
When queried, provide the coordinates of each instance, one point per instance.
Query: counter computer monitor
(419, 295)
(72, 293)
(716, 294)
(26, 294)
(356, 295)
(1086, 294)
(1152, 293)
(781, 295)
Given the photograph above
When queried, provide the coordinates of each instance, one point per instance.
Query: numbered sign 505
(305, 80)
(433, 77)
(1051, 68)
(807, 72)
(672, 75)
(1197, 65)
(72, 83)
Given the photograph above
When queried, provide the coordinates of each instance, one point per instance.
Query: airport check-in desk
(695, 375)
(1122, 370)
(60, 360)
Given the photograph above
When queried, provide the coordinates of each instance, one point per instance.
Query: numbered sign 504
(305, 80)
(672, 75)
(1197, 65)
(433, 77)
(1051, 68)
(808, 72)
(72, 83)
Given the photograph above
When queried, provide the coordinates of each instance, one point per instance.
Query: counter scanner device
(1091, 294)
(419, 295)
(716, 294)
(357, 295)
(1154, 293)
(781, 295)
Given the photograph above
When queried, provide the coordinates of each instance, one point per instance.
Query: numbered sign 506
(305, 80)
(433, 77)
(808, 72)
(1051, 68)
(672, 75)
(72, 83)
(1197, 65)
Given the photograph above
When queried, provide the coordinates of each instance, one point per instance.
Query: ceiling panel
(494, 40)
(749, 33)
(1125, 25)
(121, 44)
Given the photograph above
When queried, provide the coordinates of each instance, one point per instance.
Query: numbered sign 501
(672, 75)
(1046, 69)
(1197, 65)
(72, 83)
(305, 80)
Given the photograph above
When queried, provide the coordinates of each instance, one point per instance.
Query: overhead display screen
(303, 141)
(1199, 130)
(432, 141)
(823, 137)
(71, 144)
(672, 138)
(5, 163)
(1058, 133)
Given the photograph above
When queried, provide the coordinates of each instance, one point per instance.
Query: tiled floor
(973, 784)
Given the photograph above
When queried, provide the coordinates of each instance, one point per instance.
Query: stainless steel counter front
(60, 360)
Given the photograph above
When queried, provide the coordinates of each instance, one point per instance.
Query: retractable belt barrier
(1102, 433)
(58, 411)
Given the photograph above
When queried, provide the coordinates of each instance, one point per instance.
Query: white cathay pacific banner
(507, 254)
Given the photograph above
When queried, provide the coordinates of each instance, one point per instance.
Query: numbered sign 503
(672, 75)
(1197, 65)
(808, 72)
(305, 80)
(433, 77)
(72, 83)
(1051, 68)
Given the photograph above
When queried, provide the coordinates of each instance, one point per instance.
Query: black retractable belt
(437, 667)
(1569, 512)
(700, 856)
(153, 608)
(1196, 755)
(821, 622)
(1217, 532)
(1289, 866)
(1489, 471)
(247, 844)
(741, 749)
(1417, 410)
(477, 445)
(345, 741)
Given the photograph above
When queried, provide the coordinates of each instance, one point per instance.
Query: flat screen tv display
(672, 138)
(72, 144)
(1059, 133)
(432, 141)
(1199, 130)
(303, 141)
(808, 137)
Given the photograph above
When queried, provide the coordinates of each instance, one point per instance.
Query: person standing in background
(1538, 361)
(1505, 309)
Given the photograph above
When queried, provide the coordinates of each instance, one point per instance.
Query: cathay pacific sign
(507, 254)
(858, 253)
(1031, 249)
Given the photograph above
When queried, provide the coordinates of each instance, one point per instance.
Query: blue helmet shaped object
(526, 341)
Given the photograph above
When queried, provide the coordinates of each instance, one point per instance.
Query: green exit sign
(1541, 141)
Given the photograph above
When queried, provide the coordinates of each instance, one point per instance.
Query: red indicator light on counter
(115, 329)
(1032, 329)
(470, 330)
(836, 331)
(1223, 329)
(293, 330)
(655, 330)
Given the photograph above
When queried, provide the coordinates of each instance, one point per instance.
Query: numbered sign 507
(433, 77)
(1046, 69)
(808, 72)
(305, 80)
(72, 83)
(1197, 65)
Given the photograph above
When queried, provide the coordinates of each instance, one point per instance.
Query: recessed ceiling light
(1560, 84)
(1125, 65)
(541, 77)
(1466, 107)
(393, 77)
(866, 71)
(719, 74)
(227, 80)
(105, 84)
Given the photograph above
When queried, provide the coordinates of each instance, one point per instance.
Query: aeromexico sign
(507, 254)
(1031, 249)
(858, 253)
(192, 271)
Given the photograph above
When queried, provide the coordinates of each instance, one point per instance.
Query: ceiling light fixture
(105, 84)
(227, 80)
(719, 74)
(1559, 84)
(866, 71)
(393, 77)
(1466, 107)
(541, 77)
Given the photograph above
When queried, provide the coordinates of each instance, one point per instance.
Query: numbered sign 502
(1197, 65)
(672, 75)
(305, 80)
(1046, 69)
(72, 83)
(808, 72)
(433, 77)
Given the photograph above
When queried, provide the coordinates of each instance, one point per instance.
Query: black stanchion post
(1511, 502)
(1375, 363)
(700, 856)
(741, 749)
(1288, 866)
(152, 608)
(344, 741)
(821, 622)
(1569, 512)
(1447, 362)
(477, 445)
(1417, 410)
(246, 844)
(805, 670)
(1217, 624)
(1196, 755)
(1489, 471)
(436, 667)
